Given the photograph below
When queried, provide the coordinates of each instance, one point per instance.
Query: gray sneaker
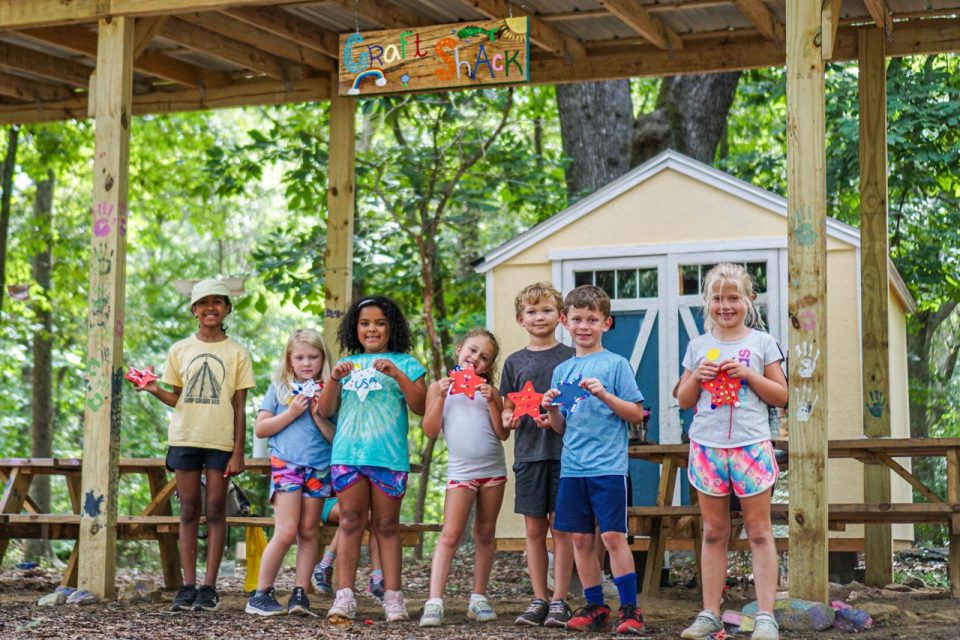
(765, 628)
(559, 613)
(705, 624)
(535, 615)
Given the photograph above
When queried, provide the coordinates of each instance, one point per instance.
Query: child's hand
(150, 387)
(235, 465)
(298, 405)
(509, 422)
(542, 422)
(486, 391)
(342, 370)
(736, 369)
(548, 398)
(594, 386)
(706, 370)
(444, 385)
(386, 367)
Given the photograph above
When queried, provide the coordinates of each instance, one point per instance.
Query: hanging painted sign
(440, 56)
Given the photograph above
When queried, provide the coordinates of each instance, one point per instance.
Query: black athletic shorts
(197, 459)
(536, 487)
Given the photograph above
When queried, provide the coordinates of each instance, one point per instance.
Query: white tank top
(475, 450)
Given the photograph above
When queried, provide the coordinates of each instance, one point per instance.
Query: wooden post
(104, 373)
(807, 262)
(341, 181)
(953, 497)
(874, 289)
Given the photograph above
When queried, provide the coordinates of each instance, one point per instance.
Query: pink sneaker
(393, 606)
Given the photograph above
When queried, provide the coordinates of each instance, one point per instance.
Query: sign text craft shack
(435, 57)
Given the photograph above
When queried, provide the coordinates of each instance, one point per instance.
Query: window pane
(648, 283)
(758, 273)
(762, 310)
(581, 278)
(689, 279)
(627, 283)
(606, 280)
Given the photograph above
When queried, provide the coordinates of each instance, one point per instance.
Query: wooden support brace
(953, 496)
(658, 526)
(830, 20)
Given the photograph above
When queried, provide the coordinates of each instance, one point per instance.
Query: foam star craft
(724, 390)
(465, 380)
(307, 389)
(363, 381)
(526, 402)
(571, 394)
(140, 377)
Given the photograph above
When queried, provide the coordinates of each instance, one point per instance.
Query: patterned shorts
(392, 483)
(748, 470)
(286, 477)
(476, 483)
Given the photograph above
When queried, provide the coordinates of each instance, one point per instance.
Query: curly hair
(399, 340)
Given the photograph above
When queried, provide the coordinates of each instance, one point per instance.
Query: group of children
(341, 429)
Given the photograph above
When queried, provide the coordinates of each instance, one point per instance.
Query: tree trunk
(42, 446)
(6, 184)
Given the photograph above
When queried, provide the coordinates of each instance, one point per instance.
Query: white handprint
(808, 358)
(801, 400)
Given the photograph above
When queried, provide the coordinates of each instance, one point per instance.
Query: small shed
(647, 239)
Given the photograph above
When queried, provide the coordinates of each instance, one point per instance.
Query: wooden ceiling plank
(639, 19)
(44, 65)
(542, 33)
(143, 33)
(763, 19)
(243, 31)
(880, 12)
(230, 50)
(829, 22)
(23, 89)
(385, 14)
(285, 25)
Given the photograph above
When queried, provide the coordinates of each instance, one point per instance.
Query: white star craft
(362, 382)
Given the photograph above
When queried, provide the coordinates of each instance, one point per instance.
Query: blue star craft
(362, 382)
(571, 394)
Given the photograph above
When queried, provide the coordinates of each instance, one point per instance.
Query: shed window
(621, 284)
(692, 275)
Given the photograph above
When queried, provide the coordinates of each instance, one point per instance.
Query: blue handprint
(875, 404)
(804, 231)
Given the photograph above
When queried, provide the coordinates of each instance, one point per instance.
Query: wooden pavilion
(112, 59)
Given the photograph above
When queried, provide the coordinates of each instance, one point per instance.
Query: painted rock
(793, 614)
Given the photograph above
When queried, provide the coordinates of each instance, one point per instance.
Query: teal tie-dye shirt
(373, 431)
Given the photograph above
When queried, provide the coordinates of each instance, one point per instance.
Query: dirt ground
(921, 613)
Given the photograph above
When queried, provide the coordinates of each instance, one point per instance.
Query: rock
(856, 586)
(850, 619)
(58, 596)
(139, 591)
(794, 614)
(915, 583)
(81, 597)
(881, 613)
(899, 588)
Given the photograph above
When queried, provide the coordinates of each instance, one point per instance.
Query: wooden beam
(953, 496)
(542, 34)
(285, 25)
(829, 22)
(242, 31)
(145, 30)
(341, 186)
(104, 364)
(637, 18)
(44, 65)
(763, 19)
(385, 14)
(874, 292)
(22, 89)
(229, 50)
(881, 14)
(807, 300)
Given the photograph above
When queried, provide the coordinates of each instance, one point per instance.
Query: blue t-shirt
(301, 441)
(595, 439)
(372, 431)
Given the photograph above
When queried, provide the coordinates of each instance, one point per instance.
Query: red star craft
(526, 402)
(140, 377)
(723, 390)
(465, 381)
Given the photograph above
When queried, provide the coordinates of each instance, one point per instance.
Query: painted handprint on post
(804, 405)
(808, 354)
(875, 403)
(805, 233)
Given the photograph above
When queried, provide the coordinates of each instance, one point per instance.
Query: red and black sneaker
(593, 617)
(631, 620)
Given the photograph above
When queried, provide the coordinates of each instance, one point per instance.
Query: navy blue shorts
(584, 503)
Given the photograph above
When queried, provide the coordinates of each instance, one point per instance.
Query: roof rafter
(542, 34)
(19, 88)
(283, 24)
(880, 12)
(763, 19)
(143, 32)
(386, 14)
(44, 65)
(639, 19)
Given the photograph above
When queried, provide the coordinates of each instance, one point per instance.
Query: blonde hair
(736, 275)
(484, 333)
(283, 376)
(534, 293)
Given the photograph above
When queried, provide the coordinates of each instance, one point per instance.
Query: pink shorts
(476, 483)
(747, 471)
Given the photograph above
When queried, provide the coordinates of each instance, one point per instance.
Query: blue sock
(594, 595)
(627, 588)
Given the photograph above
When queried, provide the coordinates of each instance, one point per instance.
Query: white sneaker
(344, 605)
(480, 609)
(393, 606)
(432, 613)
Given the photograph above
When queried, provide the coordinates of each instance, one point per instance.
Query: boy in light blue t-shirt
(593, 400)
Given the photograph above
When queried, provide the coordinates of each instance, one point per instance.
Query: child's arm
(436, 399)
(771, 385)
(494, 407)
(632, 412)
(169, 398)
(555, 419)
(236, 465)
(268, 424)
(329, 400)
(506, 416)
(414, 391)
(327, 428)
(688, 390)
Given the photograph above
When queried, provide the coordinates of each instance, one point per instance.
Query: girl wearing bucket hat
(209, 374)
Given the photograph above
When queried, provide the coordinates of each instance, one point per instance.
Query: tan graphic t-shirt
(208, 373)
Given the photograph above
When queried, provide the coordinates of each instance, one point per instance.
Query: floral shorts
(476, 483)
(392, 483)
(747, 471)
(286, 477)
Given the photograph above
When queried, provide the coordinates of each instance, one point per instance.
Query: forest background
(441, 179)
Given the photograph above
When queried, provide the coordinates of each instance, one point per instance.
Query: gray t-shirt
(532, 443)
(727, 426)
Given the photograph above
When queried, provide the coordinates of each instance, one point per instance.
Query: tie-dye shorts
(748, 470)
(390, 482)
(286, 476)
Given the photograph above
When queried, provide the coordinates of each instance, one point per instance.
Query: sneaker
(183, 601)
(560, 613)
(264, 603)
(535, 615)
(706, 623)
(375, 589)
(394, 608)
(207, 599)
(631, 620)
(323, 578)
(432, 613)
(765, 628)
(480, 610)
(344, 606)
(298, 604)
(593, 617)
